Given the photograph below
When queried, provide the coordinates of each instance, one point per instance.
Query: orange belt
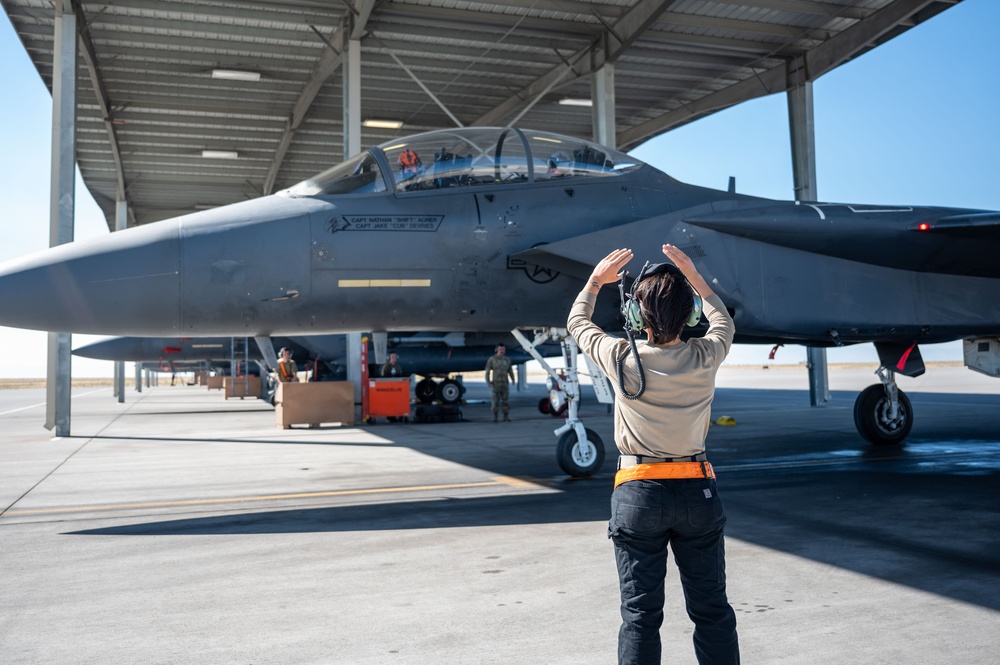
(664, 471)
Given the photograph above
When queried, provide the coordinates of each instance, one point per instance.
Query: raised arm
(686, 266)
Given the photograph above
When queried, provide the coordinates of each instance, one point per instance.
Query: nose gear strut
(579, 452)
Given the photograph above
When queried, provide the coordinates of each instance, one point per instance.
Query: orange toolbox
(389, 397)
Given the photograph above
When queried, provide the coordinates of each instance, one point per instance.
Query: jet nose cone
(125, 283)
(118, 348)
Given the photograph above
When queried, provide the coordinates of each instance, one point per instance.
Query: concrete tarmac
(182, 528)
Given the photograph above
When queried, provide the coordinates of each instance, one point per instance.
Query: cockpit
(467, 157)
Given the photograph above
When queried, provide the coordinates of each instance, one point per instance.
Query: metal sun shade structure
(175, 106)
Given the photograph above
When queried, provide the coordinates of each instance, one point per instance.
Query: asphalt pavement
(180, 527)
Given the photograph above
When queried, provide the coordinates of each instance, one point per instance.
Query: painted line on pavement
(33, 406)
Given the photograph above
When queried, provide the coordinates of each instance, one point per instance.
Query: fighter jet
(495, 229)
(430, 356)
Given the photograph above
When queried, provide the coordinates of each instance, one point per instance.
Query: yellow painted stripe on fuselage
(369, 283)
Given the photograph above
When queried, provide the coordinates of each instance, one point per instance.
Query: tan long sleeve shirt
(672, 417)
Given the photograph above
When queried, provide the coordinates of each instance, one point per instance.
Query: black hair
(666, 301)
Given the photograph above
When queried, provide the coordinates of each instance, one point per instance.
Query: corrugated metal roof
(486, 62)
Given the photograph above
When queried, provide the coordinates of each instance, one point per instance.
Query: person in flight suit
(498, 370)
(391, 367)
(665, 493)
(287, 369)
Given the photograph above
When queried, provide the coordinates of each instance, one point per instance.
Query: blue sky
(914, 121)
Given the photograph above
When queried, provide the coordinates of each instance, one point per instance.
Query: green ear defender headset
(632, 310)
(634, 323)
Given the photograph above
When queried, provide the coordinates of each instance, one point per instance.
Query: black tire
(578, 461)
(870, 417)
(450, 391)
(425, 390)
(545, 406)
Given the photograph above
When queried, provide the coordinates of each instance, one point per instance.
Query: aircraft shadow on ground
(582, 501)
(924, 515)
(930, 531)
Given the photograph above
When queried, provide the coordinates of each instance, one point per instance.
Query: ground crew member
(288, 371)
(498, 370)
(665, 492)
(391, 367)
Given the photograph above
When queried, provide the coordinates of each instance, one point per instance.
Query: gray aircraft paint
(494, 256)
(417, 355)
(494, 236)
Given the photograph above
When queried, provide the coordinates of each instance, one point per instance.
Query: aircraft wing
(933, 240)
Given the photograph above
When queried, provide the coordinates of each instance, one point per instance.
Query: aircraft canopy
(468, 157)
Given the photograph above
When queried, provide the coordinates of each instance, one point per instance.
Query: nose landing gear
(580, 451)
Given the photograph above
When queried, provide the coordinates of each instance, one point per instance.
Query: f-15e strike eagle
(427, 355)
(485, 229)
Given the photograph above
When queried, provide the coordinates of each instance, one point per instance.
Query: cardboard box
(242, 386)
(314, 403)
(214, 382)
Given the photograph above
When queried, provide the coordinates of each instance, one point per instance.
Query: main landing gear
(882, 412)
(448, 391)
(579, 452)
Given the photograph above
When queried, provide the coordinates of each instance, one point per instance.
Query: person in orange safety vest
(409, 163)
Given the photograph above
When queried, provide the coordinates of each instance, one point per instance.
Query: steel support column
(351, 71)
(121, 223)
(802, 129)
(62, 204)
(602, 94)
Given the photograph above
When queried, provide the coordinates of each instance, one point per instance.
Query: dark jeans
(687, 515)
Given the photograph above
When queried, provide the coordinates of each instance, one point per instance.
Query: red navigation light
(923, 226)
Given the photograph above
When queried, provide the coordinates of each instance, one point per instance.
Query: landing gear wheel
(449, 391)
(545, 406)
(426, 390)
(871, 417)
(580, 459)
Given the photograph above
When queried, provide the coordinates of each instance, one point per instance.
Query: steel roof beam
(457, 20)
(838, 49)
(723, 45)
(101, 93)
(483, 37)
(143, 25)
(561, 6)
(803, 7)
(739, 25)
(300, 13)
(863, 35)
(362, 13)
(328, 63)
(615, 42)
